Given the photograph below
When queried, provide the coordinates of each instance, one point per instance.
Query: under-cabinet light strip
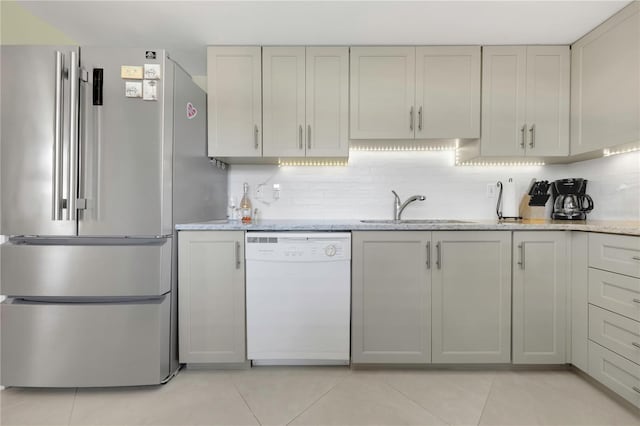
(608, 152)
(401, 148)
(500, 163)
(338, 163)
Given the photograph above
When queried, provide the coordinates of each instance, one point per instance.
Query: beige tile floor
(329, 396)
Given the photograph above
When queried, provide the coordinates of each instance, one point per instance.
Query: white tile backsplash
(362, 189)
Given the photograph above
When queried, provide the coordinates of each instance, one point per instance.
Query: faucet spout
(399, 207)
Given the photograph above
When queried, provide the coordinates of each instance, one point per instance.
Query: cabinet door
(472, 297)
(503, 100)
(382, 92)
(448, 92)
(283, 73)
(390, 298)
(547, 101)
(327, 96)
(539, 297)
(211, 296)
(234, 102)
(605, 84)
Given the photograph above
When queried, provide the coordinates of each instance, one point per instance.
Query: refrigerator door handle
(57, 143)
(72, 164)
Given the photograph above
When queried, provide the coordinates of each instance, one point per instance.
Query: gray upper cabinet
(391, 289)
(525, 101)
(211, 297)
(605, 84)
(447, 92)
(406, 92)
(327, 102)
(540, 274)
(382, 92)
(234, 102)
(283, 73)
(471, 297)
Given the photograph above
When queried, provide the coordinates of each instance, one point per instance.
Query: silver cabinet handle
(308, 136)
(521, 262)
(636, 300)
(637, 389)
(237, 255)
(72, 170)
(522, 130)
(428, 254)
(256, 132)
(635, 258)
(411, 119)
(637, 345)
(532, 139)
(57, 144)
(420, 118)
(438, 254)
(300, 136)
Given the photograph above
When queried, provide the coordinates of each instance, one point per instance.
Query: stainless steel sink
(413, 221)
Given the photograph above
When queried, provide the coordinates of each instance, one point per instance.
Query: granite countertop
(605, 226)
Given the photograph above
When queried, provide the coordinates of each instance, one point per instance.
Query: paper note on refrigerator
(150, 90)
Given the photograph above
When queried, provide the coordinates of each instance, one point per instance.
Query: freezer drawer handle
(98, 74)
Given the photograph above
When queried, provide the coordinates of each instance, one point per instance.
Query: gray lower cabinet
(540, 274)
(211, 297)
(419, 297)
(391, 288)
(471, 297)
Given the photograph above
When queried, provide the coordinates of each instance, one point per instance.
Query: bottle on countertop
(245, 205)
(233, 209)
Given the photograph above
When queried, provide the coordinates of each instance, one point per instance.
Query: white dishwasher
(298, 297)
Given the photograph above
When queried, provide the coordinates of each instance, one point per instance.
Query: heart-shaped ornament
(191, 111)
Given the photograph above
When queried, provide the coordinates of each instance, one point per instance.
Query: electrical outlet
(276, 191)
(491, 190)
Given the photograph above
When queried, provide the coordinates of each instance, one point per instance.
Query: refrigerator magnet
(131, 72)
(149, 90)
(152, 71)
(133, 89)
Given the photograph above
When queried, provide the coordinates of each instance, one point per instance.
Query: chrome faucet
(398, 207)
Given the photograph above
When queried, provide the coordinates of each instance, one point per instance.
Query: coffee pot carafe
(570, 200)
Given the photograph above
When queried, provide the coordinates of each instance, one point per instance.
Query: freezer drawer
(79, 345)
(57, 270)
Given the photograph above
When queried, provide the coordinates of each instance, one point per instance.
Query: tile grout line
(495, 375)
(245, 401)
(316, 400)
(414, 401)
(73, 405)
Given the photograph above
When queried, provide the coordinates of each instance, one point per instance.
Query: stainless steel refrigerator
(102, 151)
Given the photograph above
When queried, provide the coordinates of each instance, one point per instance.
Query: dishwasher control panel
(298, 247)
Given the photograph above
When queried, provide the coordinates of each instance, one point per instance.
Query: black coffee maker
(570, 201)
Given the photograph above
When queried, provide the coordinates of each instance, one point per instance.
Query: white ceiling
(187, 26)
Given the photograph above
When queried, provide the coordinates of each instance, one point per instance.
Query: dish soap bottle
(245, 205)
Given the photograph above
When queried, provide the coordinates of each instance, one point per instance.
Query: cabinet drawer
(619, 374)
(617, 293)
(615, 253)
(615, 332)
